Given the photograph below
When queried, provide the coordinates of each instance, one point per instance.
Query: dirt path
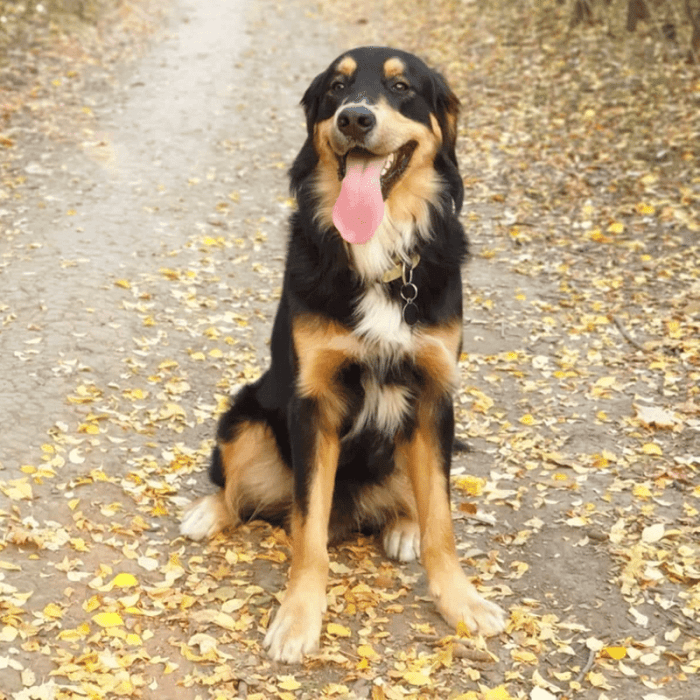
(143, 239)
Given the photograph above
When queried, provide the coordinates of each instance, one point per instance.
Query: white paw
(457, 600)
(204, 518)
(296, 629)
(402, 540)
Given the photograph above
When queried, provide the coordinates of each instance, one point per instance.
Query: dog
(352, 426)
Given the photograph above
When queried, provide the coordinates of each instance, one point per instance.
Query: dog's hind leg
(255, 483)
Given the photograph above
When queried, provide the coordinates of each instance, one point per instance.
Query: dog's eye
(400, 86)
(337, 86)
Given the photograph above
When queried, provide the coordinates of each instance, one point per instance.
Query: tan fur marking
(254, 471)
(451, 115)
(310, 534)
(297, 624)
(454, 595)
(389, 501)
(421, 459)
(409, 198)
(436, 128)
(393, 66)
(437, 351)
(322, 348)
(347, 65)
(327, 182)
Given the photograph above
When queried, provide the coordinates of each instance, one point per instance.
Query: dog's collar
(393, 273)
(404, 270)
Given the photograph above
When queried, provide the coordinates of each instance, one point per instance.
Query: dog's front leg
(315, 448)
(425, 457)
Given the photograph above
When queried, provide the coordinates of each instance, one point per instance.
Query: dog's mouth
(392, 169)
(366, 180)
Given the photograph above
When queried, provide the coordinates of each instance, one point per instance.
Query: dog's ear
(446, 106)
(446, 110)
(312, 100)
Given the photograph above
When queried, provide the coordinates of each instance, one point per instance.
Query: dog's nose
(356, 121)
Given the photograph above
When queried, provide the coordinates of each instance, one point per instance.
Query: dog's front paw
(457, 600)
(296, 629)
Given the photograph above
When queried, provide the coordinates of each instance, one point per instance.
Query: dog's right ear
(447, 112)
(312, 100)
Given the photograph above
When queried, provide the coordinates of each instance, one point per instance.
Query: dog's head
(380, 115)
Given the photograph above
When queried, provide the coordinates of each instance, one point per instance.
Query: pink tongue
(359, 208)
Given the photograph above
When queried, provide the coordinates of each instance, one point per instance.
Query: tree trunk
(582, 12)
(636, 10)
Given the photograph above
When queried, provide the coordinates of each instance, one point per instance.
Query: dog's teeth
(387, 164)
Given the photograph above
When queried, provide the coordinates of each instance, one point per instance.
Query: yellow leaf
(527, 419)
(482, 403)
(168, 273)
(675, 330)
(367, 652)
(645, 209)
(598, 236)
(597, 680)
(289, 683)
(616, 227)
(651, 448)
(108, 619)
(498, 693)
(54, 611)
(653, 533)
(524, 656)
(124, 284)
(198, 356)
(641, 491)
(135, 394)
(124, 580)
(91, 604)
(337, 630)
(616, 653)
(416, 678)
(462, 630)
(17, 489)
(472, 485)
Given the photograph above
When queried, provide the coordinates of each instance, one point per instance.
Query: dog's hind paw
(205, 517)
(401, 540)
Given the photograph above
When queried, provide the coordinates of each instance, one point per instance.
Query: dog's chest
(387, 398)
(380, 323)
(388, 377)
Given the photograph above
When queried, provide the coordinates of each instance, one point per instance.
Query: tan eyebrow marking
(347, 65)
(393, 66)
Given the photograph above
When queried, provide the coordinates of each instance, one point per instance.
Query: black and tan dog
(351, 428)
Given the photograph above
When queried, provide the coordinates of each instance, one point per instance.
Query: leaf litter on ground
(579, 401)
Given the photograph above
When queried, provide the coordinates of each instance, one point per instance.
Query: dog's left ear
(312, 99)
(446, 106)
